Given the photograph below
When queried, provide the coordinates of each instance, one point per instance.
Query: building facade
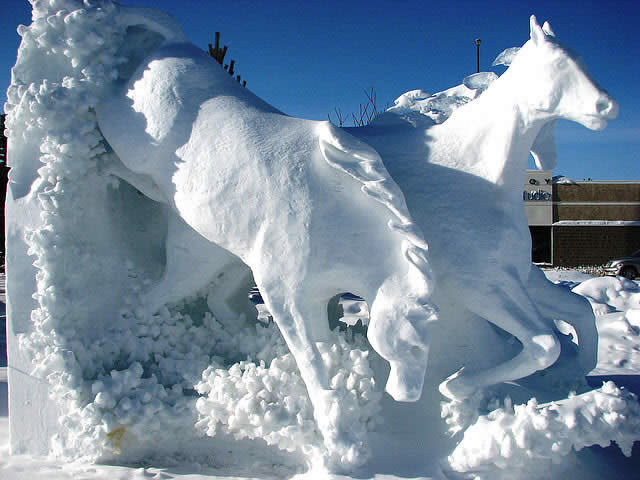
(581, 223)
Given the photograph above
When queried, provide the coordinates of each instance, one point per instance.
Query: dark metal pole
(478, 54)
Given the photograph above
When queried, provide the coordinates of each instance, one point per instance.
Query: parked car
(628, 267)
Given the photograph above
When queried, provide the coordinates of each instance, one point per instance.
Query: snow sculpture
(462, 179)
(122, 348)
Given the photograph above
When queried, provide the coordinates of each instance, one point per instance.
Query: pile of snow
(608, 294)
(616, 303)
(523, 440)
(562, 180)
(567, 277)
(268, 400)
(440, 106)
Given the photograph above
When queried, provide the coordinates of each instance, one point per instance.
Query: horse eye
(560, 63)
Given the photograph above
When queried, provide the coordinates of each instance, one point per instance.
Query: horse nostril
(607, 107)
(602, 106)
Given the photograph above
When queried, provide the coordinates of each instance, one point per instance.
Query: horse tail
(152, 20)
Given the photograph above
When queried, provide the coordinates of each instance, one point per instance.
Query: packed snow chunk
(506, 57)
(406, 100)
(479, 81)
(418, 106)
(562, 180)
(269, 400)
(607, 294)
(526, 437)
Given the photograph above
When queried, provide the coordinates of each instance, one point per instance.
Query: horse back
(149, 116)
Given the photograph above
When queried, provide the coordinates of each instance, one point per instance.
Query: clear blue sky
(307, 57)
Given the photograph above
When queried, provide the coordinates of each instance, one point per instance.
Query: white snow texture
(131, 252)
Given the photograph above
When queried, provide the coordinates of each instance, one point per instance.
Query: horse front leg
(303, 321)
(512, 310)
(297, 334)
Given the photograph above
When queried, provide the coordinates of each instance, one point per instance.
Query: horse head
(398, 332)
(557, 84)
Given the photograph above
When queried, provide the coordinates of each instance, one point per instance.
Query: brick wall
(597, 192)
(596, 212)
(593, 245)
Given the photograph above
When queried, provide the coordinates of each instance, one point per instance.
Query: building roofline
(583, 182)
(600, 182)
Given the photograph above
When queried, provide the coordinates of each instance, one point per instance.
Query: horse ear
(537, 35)
(546, 28)
(506, 57)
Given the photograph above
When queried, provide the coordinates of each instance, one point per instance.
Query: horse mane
(360, 161)
(419, 108)
(153, 20)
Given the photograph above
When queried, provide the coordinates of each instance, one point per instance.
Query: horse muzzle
(605, 108)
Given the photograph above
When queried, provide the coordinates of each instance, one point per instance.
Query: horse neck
(494, 134)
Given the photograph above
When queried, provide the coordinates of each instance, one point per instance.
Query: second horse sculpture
(463, 183)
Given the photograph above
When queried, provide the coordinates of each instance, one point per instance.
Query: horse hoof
(455, 388)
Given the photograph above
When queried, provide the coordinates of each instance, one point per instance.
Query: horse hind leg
(192, 263)
(559, 303)
(228, 295)
(514, 312)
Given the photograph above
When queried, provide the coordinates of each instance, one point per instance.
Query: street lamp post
(478, 54)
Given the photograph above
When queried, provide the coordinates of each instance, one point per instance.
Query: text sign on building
(538, 197)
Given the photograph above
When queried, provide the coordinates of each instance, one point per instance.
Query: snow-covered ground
(616, 302)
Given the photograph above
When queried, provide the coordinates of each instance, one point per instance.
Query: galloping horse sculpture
(274, 191)
(463, 179)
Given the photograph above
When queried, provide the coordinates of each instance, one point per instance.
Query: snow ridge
(523, 437)
(50, 109)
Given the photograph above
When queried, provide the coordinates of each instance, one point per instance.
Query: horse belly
(470, 235)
